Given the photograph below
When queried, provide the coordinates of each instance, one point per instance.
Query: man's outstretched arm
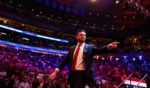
(104, 49)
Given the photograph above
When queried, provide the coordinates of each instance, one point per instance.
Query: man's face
(81, 37)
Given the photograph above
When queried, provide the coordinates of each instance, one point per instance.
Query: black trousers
(77, 79)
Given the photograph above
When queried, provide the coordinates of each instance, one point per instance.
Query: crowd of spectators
(19, 67)
(132, 46)
(26, 69)
(32, 41)
(141, 6)
(110, 72)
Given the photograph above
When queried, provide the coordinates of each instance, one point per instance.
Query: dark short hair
(81, 30)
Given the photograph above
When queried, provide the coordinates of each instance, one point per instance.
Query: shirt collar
(81, 44)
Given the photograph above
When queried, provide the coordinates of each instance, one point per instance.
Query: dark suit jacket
(88, 52)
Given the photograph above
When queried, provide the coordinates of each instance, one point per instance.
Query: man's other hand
(113, 45)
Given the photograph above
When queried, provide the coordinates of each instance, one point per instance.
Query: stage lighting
(134, 59)
(103, 58)
(140, 57)
(117, 59)
(125, 57)
(93, 0)
(117, 1)
(3, 33)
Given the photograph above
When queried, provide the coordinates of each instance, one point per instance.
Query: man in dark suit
(80, 62)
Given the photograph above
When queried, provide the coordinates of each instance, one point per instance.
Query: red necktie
(75, 57)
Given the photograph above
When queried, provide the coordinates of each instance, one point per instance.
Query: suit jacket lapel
(72, 52)
(85, 50)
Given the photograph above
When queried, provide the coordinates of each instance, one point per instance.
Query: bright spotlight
(117, 59)
(140, 57)
(103, 58)
(93, 0)
(134, 59)
(117, 1)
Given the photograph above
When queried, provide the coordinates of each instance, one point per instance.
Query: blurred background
(35, 36)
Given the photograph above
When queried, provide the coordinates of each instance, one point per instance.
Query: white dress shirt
(80, 64)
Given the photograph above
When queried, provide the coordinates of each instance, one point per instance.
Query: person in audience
(24, 83)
